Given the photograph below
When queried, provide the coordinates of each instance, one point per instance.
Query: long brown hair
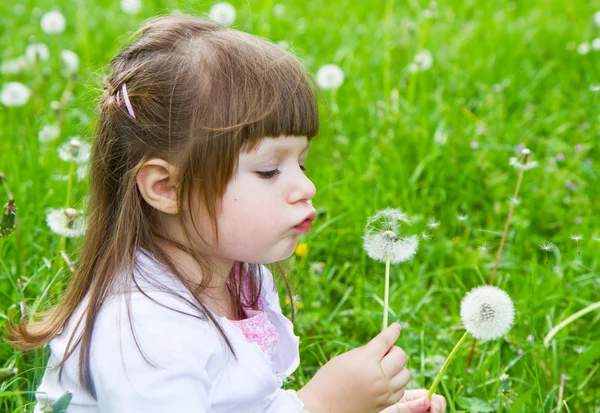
(202, 94)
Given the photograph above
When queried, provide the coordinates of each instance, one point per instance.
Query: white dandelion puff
(37, 52)
(223, 13)
(387, 245)
(548, 246)
(412, 67)
(583, 48)
(53, 22)
(70, 60)
(425, 236)
(381, 239)
(487, 312)
(131, 6)
(330, 77)
(389, 219)
(596, 18)
(14, 94)
(423, 60)
(49, 133)
(514, 162)
(514, 200)
(278, 10)
(75, 151)
(461, 217)
(596, 43)
(14, 66)
(67, 222)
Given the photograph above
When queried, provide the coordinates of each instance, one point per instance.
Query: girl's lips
(304, 226)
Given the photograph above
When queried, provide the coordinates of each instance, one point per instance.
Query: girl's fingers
(393, 362)
(399, 381)
(420, 405)
(414, 394)
(438, 404)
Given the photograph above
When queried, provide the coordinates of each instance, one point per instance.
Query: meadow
(435, 100)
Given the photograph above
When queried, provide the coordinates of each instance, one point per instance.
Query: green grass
(373, 152)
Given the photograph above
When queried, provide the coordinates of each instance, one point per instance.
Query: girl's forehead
(281, 145)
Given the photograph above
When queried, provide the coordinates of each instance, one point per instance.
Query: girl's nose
(302, 189)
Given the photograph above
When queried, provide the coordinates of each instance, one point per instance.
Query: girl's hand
(416, 401)
(353, 382)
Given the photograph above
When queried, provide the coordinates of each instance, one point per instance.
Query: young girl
(197, 180)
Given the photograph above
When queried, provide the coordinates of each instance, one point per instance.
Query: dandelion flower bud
(7, 373)
(487, 312)
(7, 223)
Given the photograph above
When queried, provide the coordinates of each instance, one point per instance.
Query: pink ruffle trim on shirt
(257, 328)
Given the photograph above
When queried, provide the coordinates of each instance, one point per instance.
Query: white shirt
(195, 371)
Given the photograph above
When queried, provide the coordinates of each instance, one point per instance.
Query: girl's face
(267, 198)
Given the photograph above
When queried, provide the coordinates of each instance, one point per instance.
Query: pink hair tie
(127, 102)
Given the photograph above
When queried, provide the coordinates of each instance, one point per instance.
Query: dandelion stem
(386, 294)
(568, 321)
(438, 378)
(506, 225)
(63, 240)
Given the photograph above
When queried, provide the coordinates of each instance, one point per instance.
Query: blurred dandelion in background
(70, 60)
(37, 52)
(49, 133)
(75, 151)
(330, 77)
(53, 22)
(548, 246)
(577, 238)
(67, 222)
(14, 94)
(223, 13)
(421, 62)
(131, 6)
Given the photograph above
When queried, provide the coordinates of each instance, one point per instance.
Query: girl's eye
(269, 174)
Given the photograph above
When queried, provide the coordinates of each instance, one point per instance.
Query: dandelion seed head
(14, 94)
(67, 222)
(576, 237)
(484, 249)
(596, 18)
(487, 312)
(525, 152)
(423, 60)
(37, 52)
(383, 246)
(223, 13)
(330, 77)
(461, 217)
(514, 162)
(548, 246)
(131, 6)
(386, 219)
(53, 22)
(425, 236)
(70, 60)
(75, 151)
(433, 224)
(13, 66)
(49, 133)
(583, 48)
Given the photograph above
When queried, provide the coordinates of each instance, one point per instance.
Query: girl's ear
(157, 181)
